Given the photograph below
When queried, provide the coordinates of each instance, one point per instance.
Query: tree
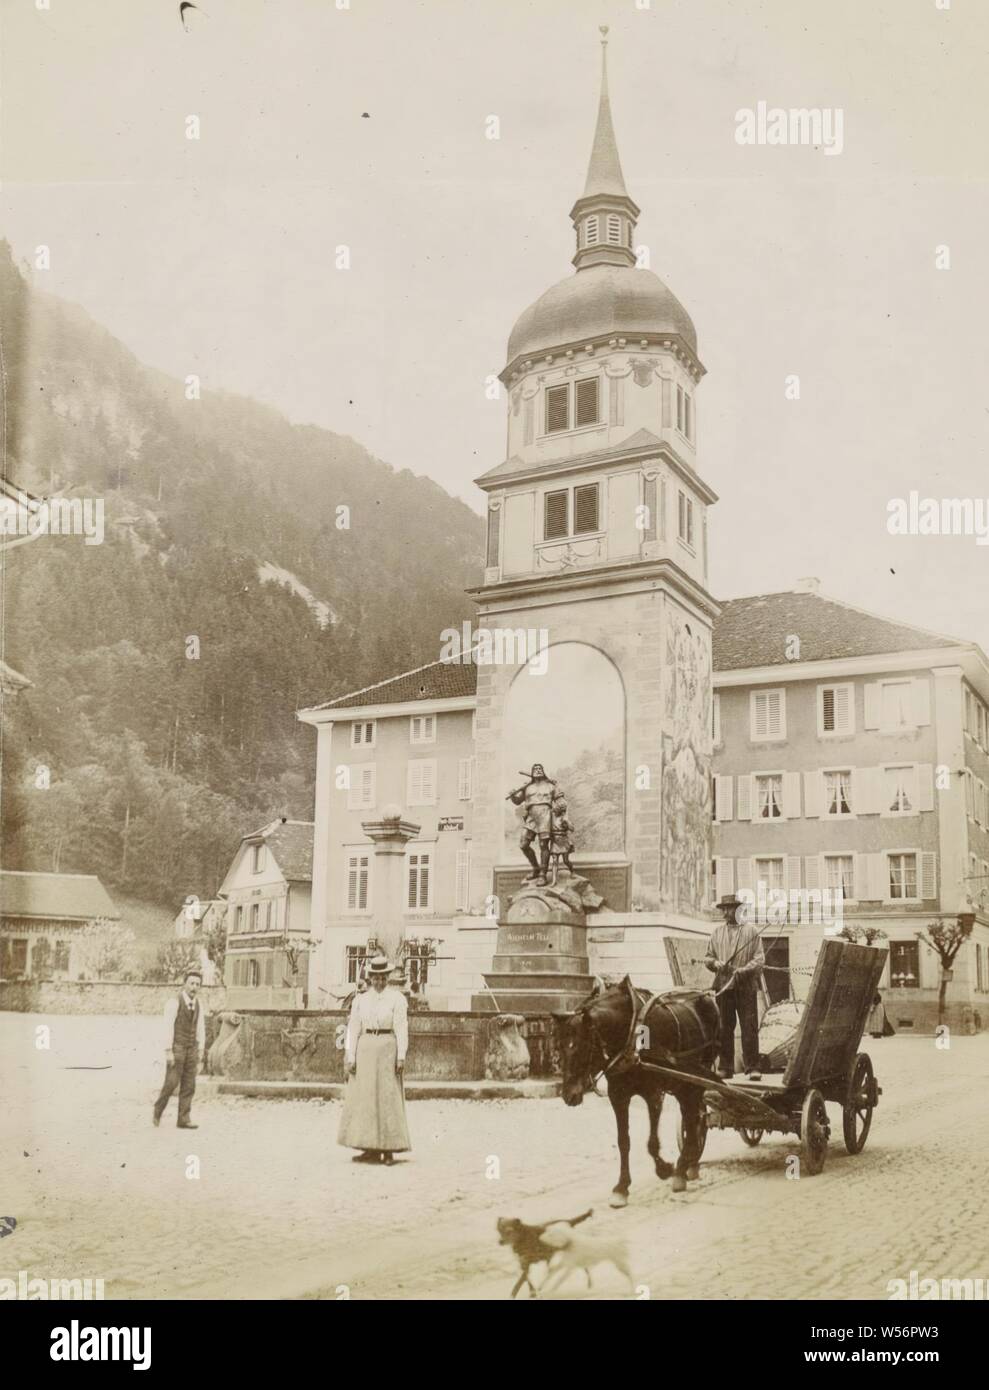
(172, 961)
(105, 948)
(945, 940)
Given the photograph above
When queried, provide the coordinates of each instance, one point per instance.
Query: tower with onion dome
(597, 536)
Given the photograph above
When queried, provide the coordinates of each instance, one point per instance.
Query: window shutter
(791, 872)
(557, 408)
(827, 709)
(928, 876)
(429, 782)
(493, 537)
(744, 810)
(841, 709)
(921, 701)
(587, 402)
(649, 498)
(873, 702)
(813, 877)
(876, 877)
(867, 790)
(556, 515)
(791, 795)
(585, 509)
(724, 876)
(813, 793)
(465, 779)
(723, 798)
(744, 875)
(463, 878)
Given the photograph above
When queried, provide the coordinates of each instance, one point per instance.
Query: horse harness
(629, 1054)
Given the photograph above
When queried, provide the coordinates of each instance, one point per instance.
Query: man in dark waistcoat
(185, 1041)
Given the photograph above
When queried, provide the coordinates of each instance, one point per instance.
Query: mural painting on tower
(686, 766)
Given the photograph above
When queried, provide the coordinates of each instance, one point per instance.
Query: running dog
(577, 1250)
(527, 1242)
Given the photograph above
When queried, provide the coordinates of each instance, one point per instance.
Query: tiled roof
(751, 631)
(80, 897)
(290, 842)
(440, 680)
(755, 631)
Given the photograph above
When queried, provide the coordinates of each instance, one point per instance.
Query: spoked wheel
(860, 1101)
(680, 1134)
(752, 1137)
(815, 1130)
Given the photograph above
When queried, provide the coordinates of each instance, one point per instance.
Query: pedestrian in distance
(185, 1042)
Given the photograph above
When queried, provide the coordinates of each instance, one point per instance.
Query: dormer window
(591, 231)
(614, 229)
(585, 408)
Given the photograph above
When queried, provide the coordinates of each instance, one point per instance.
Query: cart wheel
(751, 1136)
(860, 1101)
(703, 1123)
(814, 1132)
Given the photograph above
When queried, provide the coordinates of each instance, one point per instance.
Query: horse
(601, 1037)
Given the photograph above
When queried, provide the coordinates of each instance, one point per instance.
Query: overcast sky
(216, 256)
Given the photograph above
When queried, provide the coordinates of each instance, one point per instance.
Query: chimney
(809, 585)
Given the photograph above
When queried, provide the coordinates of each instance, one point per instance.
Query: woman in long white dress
(373, 1118)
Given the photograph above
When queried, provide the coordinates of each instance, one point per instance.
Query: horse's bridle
(629, 1041)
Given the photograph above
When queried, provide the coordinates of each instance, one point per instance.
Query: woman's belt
(379, 1030)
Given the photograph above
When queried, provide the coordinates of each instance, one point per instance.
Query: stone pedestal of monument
(540, 964)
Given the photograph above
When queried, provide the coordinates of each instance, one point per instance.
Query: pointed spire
(604, 173)
(604, 216)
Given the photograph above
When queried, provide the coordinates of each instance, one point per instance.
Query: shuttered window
(362, 734)
(585, 509)
(836, 709)
(422, 728)
(360, 796)
(422, 782)
(768, 714)
(839, 874)
(614, 229)
(649, 501)
(685, 527)
(557, 408)
(419, 882)
(769, 872)
(463, 878)
(838, 792)
(680, 409)
(556, 515)
(358, 869)
(493, 550)
(591, 231)
(587, 401)
(902, 876)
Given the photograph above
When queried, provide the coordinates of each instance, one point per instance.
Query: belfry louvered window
(557, 408)
(556, 521)
(585, 509)
(587, 402)
(614, 229)
(493, 549)
(591, 232)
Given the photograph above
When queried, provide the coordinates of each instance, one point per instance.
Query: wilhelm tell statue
(544, 819)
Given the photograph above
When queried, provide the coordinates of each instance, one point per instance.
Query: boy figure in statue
(537, 799)
(561, 836)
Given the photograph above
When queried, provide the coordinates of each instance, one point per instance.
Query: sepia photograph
(494, 603)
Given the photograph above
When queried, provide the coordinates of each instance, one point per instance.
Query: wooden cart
(824, 1064)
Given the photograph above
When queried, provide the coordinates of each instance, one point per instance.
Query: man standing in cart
(735, 956)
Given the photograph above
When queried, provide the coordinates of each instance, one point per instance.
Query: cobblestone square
(261, 1203)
